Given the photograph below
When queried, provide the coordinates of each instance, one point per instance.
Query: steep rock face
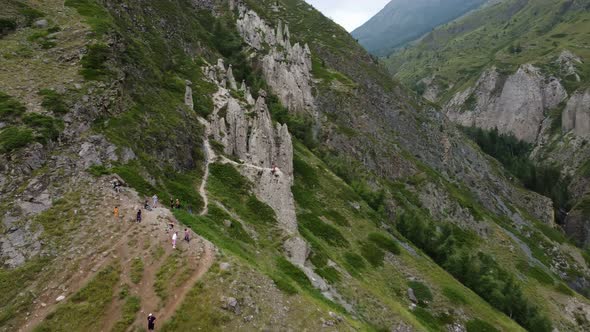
(516, 105)
(576, 116)
(286, 67)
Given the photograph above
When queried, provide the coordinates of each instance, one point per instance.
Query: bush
(478, 325)
(294, 273)
(421, 291)
(354, 261)
(372, 254)
(322, 230)
(330, 274)
(94, 62)
(53, 102)
(12, 138)
(10, 108)
(454, 296)
(46, 127)
(337, 218)
(285, 286)
(385, 243)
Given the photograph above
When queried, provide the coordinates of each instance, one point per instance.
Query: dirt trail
(209, 158)
(120, 242)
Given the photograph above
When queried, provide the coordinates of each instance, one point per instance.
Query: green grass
(314, 225)
(564, 289)
(285, 285)
(136, 270)
(373, 254)
(354, 262)
(455, 296)
(80, 312)
(94, 65)
(53, 101)
(330, 274)
(422, 292)
(385, 243)
(96, 16)
(10, 108)
(165, 274)
(478, 325)
(131, 306)
(13, 138)
(536, 273)
(13, 282)
(60, 219)
(294, 273)
(427, 319)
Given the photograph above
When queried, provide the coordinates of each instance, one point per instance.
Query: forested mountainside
(520, 67)
(403, 21)
(316, 192)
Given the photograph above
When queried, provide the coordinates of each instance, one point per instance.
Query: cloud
(349, 13)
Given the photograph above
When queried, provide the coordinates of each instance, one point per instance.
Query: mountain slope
(379, 215)
(402, 21)
(522, 69)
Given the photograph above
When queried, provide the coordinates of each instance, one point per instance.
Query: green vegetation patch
(96, 16)
(94, 63)
(12, 138)
(10, 108)
(80, 312)
(53, 101)
(422, 292)
(314, 225)
(478, 325)
(354, 262)
(385, 243)
(454, 295)
(13, 282)
(165, 274)
(372, 253)
(136, 270)
(131, 306)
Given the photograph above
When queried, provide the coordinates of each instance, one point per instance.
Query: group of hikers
(169, 229)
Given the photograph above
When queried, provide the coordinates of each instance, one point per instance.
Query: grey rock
(412, 296)
(224, 266)
(41, 24)
(227, 223)
(60, 298)
(576, 116)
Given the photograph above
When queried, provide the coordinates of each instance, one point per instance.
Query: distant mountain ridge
(403, 21)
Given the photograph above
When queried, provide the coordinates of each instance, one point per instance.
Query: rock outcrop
(515, 105)
(576, 116)
(286, 67)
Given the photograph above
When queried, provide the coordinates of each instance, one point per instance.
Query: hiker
(170, 226)
(116, 212)
(171, 203)
(155, 200)
(151, 319)
(186, 235)
(274, 170)
(139, 216)
(177, 204)
(146, 205)
(117, 186)
(174, 237)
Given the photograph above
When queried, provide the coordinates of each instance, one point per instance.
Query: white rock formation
(567, 62)
(517, 106)
(286, 67)
(576, 116)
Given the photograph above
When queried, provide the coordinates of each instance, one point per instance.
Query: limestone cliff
(516, 104)
(286, 67)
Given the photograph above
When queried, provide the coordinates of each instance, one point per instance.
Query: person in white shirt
(174, 237)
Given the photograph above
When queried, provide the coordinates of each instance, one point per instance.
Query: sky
(349, 13)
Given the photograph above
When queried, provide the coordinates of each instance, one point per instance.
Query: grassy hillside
(505, 35)
(384, 216)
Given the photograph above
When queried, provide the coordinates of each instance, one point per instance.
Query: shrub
(421, 291)
(372, 254)
(330, 274)
(94, 62)
(426, 318)
(294, 273)
(454, 296)
(53, 101)
(337, 218)
(12, 138)
(285, 286)
(99, 170)
(385, 243)
(322, 230)
(46, 127)
(10, 108)
(478, 325)
(354, 261)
